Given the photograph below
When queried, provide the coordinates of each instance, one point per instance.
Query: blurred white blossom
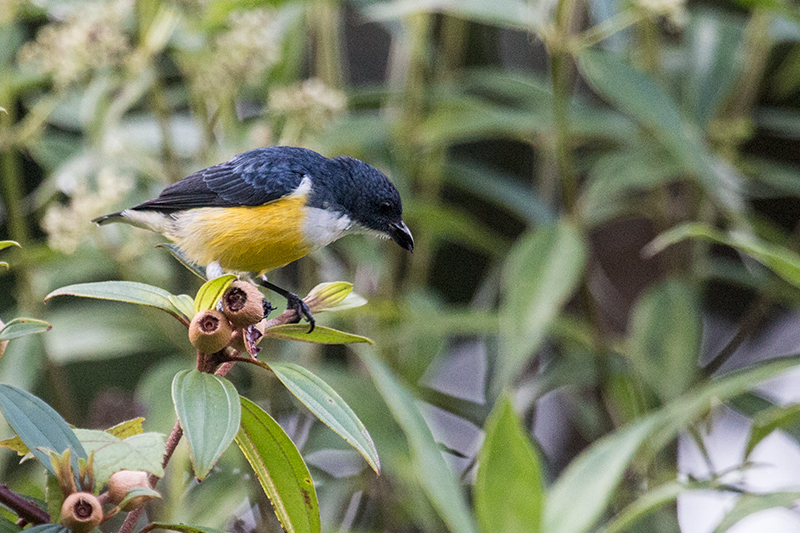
(307, 106)
(67, 225)
(88, 36)
(673, 10)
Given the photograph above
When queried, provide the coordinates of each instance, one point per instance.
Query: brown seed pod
(81, 512)
(210, 331)
(243, 304)
(125, 480)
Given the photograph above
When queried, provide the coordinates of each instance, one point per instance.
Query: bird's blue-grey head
(372, 201)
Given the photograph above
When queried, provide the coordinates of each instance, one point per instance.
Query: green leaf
(580, 495)
(779, 417)
(437, 480)
(329, 407)
(748, 504)
(6, 244)
(39, 426)
(503, 13)
(48, 528)
(541, 272)
(7, 526)
(209, 412)
(111, 454)
(281, 470)
(784, 262)
(183, 303)
(123, 291)
(333, 296)
(665, 338)
(19, 327)
(320, 335)
(639, 95)
(137, 492)
(212, 290)
(183, 528)
(128, 428)
(509, 495)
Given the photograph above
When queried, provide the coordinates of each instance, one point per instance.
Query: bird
(270, 206)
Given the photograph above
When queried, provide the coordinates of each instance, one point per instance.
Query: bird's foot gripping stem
(293, 301)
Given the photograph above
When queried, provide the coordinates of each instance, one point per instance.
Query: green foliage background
(538, 146)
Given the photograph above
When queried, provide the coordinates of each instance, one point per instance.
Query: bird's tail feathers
(107, 219)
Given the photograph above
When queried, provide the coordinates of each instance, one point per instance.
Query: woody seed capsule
(243, 304)
(81, 512)
(210, 331)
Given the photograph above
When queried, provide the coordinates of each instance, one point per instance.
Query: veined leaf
(281, 470)
(783, 261)
(19, 327)
(212, 290)
(128, 428)
(137, 452)
(509, 495)
(39, 426)
(183, 528)
(320, 335)
(333, 296)
(329, 407)
(123, 291)
(209, 412)
(434, 475)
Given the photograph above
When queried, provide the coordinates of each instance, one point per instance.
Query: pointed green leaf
(509, 495)
(183, 528)
(281, 470)
(333, 296)
(434, 475)
(786, 418)
(6, 244)
(783, 261)
(329, 407)
(19, 327)
(212, 290)
(4, 264)
(320, 335)
(183, 303)
(39, 426)
(209, 412)
(128, 428)
(540, 274)
(123, 291)
(665, 338)
(7, 526)
(136, 492)
(137, 452)
(749, 504)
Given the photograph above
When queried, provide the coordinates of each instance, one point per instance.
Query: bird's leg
(292, 302)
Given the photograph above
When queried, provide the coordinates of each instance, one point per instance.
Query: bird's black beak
(400, 234)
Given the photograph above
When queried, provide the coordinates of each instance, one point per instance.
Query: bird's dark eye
(385, 208)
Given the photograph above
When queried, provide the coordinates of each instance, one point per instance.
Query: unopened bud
(124, 481)
(81, 512)
(210, 331)
(243, 304)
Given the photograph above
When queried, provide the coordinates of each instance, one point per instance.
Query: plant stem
(26, 510)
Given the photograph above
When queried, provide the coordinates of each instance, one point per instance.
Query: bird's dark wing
(253, 178)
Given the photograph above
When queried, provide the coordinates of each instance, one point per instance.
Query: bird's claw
(268, 308)
(299, 306)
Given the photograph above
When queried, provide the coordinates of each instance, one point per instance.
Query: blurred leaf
(136, 492)
(779, 417)
(581, 493)
(176, 253)
(749, 504)
(48, 528)
(6, 244)
(637, 94)
(183, 528)
(15, 444)
(111, 454)
(509, 495)
(6, 525)
(209, 412)
(320, 335)
(280, 469)
(433, 474)
(541, 272)
(127, 429)
(783, 178)
(784, 122)
(123, 291)
(333, 296)
(713, 43)
(39, 426)
(19, 327)
(210, 293)
(329, 407)
(448, 224)
(665, 338)
(503, 13)
(783, 261)
(183, 303)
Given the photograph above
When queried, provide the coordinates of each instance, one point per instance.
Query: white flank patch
(322, 227)
(153, 220)
(304, 188)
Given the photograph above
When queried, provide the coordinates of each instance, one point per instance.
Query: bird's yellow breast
(244, 239)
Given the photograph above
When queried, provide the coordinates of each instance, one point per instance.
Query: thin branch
(26, 510)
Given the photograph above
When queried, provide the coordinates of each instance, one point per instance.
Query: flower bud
(210, 331)
(123, 482)
(81, 512)
(243, 304)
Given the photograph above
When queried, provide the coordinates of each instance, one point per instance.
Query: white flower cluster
(89, 36)
(310, 103)
(67, 225)
(673, 10)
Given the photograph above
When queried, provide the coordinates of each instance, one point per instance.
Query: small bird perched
(268, 207)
